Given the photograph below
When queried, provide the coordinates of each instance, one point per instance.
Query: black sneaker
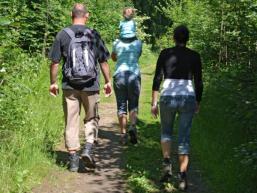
(133, 134)
(167, 170)
(182, 184)
(73, 162)
(87, 156)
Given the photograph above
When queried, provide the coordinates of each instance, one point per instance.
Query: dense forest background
(223, 31)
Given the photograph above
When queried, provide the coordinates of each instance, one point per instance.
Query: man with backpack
(82, 50)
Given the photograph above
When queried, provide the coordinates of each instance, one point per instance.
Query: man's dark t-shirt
(60, 47)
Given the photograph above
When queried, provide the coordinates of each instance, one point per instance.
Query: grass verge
(216, 134)
(31, 124)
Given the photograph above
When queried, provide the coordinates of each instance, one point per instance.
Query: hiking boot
(87, 155)
(123, 138)
(73, 162)
(133, 134)
(182, 183)
(167, 170)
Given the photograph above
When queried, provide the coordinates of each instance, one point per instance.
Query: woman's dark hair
(181, 34)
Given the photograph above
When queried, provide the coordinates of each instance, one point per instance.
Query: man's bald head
(79, 11)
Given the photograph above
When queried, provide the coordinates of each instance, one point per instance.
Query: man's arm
(106, 73)
(53, 73)
(55, 55)
(53, 79)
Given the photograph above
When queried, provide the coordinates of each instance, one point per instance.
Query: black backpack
(80, 65)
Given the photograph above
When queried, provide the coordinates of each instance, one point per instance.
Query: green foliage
(157, 23)
(200, 21)
(218, 136)
(30, 24)
(248, 154)
(236, 26)
(40, 22)
(28, 127)
(245, 83)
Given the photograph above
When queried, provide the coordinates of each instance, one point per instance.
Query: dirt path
(107, 178)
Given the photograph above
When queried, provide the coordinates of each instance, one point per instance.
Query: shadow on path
(108, 175)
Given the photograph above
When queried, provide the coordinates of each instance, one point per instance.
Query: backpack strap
(69, 32)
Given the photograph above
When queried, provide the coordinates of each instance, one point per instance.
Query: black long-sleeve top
(179, 63)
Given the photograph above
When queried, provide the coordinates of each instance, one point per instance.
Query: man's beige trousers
(72, 100)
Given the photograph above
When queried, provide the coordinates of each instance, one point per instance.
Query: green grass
(31, 126)
(216, 133)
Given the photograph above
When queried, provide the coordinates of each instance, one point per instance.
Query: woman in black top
(180, 67)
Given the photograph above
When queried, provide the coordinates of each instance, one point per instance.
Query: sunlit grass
(26, 152)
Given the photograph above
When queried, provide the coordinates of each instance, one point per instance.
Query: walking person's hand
(54, 90)
(107, 89)
(155, 111)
